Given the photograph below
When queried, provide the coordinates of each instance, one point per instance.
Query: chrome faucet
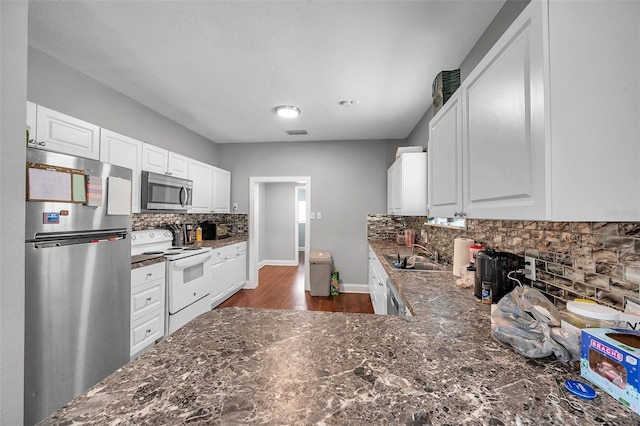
(433, 254)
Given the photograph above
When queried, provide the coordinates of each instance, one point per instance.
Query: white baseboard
(354, 288)
(277, 263)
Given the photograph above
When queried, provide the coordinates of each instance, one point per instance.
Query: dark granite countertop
(261, 366)
(142, 260)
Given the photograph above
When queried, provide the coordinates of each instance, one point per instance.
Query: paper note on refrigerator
(48, 185)
(94, 191)
(77, 181)
(118, 196)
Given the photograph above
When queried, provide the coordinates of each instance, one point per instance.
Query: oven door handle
(190, 261)
(183, 190)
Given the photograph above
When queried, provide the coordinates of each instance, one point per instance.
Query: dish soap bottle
(198, 233)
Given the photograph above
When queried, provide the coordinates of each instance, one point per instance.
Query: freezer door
(77, 318)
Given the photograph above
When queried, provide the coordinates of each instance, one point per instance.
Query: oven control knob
(133, 237)
(151, 235)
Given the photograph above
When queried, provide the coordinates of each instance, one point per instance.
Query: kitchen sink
(421, 264)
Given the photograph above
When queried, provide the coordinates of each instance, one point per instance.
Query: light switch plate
(313, 215)
(318, 215)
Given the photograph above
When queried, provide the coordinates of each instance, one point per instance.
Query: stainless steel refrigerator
(78, 277)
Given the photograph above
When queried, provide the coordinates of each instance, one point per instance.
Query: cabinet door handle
(149, 274)
(148, 330)
(148, 299)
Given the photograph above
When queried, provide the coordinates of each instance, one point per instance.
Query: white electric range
(188, 275)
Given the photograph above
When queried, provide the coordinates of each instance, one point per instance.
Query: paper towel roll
(460, 254)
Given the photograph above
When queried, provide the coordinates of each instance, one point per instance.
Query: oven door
(189, 280)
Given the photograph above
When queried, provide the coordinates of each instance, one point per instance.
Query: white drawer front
(146, 330)
(218, 255)
(146, 298)
(240, 246)
(147, 274)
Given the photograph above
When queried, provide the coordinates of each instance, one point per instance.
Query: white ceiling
(220, 67)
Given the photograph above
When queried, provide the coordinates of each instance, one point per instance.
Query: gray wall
(348, 181)
(13, 86)
(57, 86)
(279, 231)
(507, 14)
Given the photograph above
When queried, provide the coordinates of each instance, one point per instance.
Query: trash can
(320, 272)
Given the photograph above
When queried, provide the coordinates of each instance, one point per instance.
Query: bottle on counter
(198, 233)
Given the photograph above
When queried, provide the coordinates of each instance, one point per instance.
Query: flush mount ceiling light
(287, 111)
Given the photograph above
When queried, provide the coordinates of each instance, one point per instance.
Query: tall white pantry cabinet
(548, 121)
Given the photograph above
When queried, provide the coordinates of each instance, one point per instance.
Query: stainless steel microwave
(162, 192)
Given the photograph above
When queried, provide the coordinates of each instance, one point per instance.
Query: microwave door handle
(183, 190)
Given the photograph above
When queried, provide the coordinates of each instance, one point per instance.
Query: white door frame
(297, 189)
(254, 223)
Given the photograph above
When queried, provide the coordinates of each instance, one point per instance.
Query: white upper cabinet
(62, 133)
(221, 191)
(408, 183)
(178, 165)
(154, 159)
(549, 120)
(126, 152)
(32, 113)
(445, 160)
(594, 108)
(54, 131)
(503, 126)
(201, 175)
(390, 190)
(162, 161)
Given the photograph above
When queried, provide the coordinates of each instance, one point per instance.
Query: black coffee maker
(493, 266)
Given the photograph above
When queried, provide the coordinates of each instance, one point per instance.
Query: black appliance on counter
(494, 266)
(214, 230)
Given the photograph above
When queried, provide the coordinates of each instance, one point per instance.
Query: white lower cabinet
(377, 284)
(228, 271)
(147, 306)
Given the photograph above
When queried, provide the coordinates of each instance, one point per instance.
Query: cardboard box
(609, 359)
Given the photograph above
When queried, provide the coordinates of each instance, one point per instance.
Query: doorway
(257, 193)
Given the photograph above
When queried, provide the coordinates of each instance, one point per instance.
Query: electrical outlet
(235, 206)
(318, 215)
(313, 215)
(530, 268)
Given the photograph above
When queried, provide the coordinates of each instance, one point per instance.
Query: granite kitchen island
(260, 366)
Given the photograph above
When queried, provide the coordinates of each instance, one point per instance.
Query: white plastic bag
(522, 320)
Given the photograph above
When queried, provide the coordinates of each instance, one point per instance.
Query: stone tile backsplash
(239, 224)
(593, 260)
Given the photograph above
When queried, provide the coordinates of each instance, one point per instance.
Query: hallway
(282, 287)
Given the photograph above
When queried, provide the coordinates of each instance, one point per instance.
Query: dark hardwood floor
(282, 287)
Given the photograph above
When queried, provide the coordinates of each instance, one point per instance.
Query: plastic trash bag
(522, 320)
